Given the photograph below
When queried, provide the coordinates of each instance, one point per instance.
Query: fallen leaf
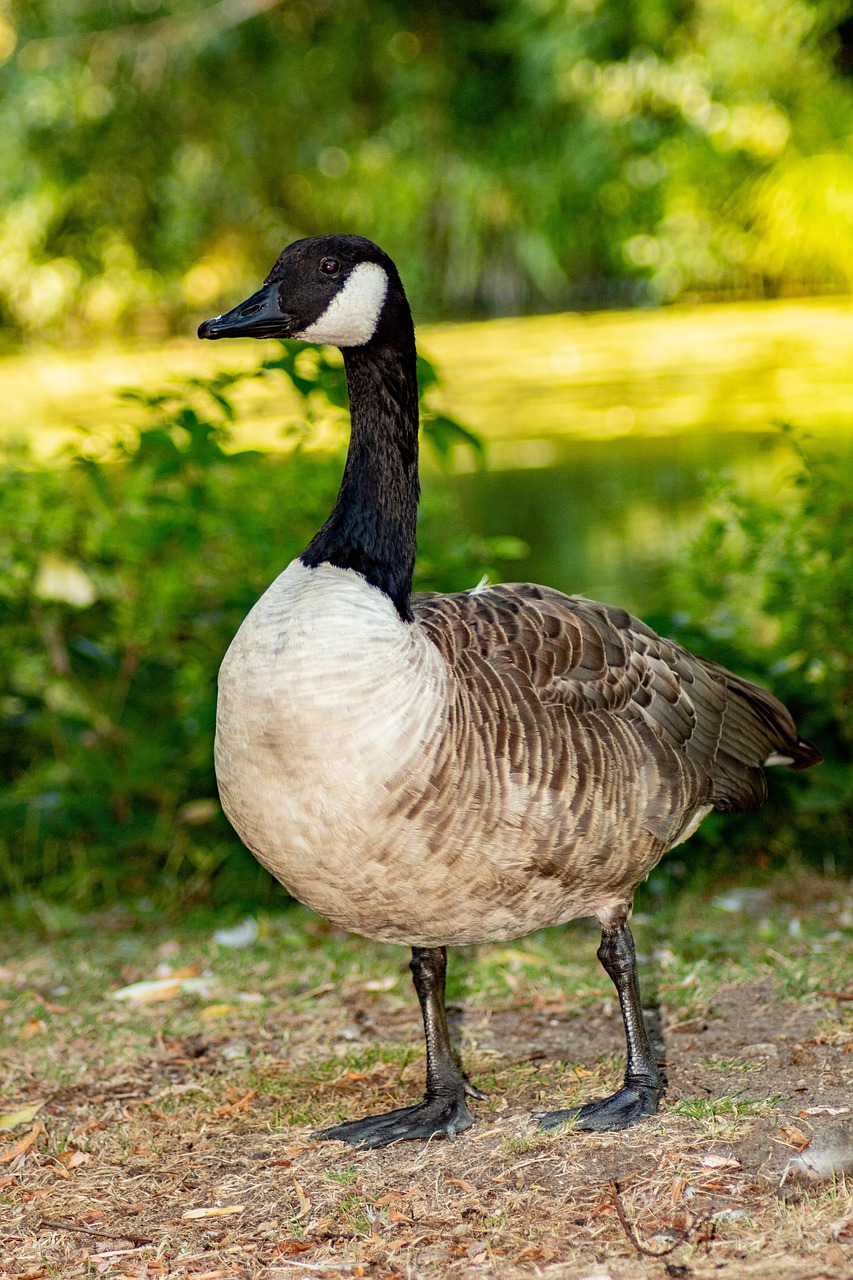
(304, 1200)
(161, 989)
(793, 1136)
(20, 1148)
(824, 1111)
(241, 935)
(92, 1125)
(11, 1119)
(216, 1211)
(292, 1246)
(73, 1159)
(216, 1011)
(242, 1104)
(32, 1027)
(719, 1162)
(390, 1196)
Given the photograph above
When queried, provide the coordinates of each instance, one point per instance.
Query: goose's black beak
(260, 316)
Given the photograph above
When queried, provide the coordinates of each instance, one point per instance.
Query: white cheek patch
(351, 317)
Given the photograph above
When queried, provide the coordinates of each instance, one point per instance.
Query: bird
(436, 770)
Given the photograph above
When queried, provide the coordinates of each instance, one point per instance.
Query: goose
(439, 770)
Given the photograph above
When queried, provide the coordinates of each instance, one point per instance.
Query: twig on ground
(314, 1266)
(632, 1235)
(92, 1231)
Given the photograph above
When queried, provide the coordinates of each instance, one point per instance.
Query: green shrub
(122, 580)
(767, 589)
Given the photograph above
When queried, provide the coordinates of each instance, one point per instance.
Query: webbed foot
(627, 1106)
(438, 1117)
(443, 1112)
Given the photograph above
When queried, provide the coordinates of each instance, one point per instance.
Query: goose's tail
(758, 732)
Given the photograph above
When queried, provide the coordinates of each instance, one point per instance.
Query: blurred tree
(512, 154)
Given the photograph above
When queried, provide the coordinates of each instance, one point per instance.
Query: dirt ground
(183, 1149)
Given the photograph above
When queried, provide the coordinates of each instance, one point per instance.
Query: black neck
(372, 525)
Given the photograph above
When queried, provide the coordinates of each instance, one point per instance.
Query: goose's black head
(339, 290)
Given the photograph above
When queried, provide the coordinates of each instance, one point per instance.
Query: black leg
(443, 1112)
(643, 1088)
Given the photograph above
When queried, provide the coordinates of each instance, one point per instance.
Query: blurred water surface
(606, 517)
(607, 431)
(602, 429)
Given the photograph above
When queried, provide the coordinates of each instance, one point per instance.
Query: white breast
(327, 702)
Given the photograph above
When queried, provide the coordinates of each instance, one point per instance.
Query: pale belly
(331, 720)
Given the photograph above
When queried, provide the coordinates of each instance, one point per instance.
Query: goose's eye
(330, 266)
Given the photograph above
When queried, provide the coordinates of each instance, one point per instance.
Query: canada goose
(446, 769)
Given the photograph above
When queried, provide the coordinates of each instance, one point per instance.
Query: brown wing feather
(706, 731)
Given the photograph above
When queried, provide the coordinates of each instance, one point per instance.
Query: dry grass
(206, 1103)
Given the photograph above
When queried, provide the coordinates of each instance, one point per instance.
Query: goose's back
(596, 662)
(615, 741)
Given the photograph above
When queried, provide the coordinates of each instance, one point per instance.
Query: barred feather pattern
(512, 759)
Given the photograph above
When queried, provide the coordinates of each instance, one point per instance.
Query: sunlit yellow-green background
(514, 156)
(523, 383)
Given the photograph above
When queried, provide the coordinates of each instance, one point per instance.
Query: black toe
(432, 1118)
(628, 1106)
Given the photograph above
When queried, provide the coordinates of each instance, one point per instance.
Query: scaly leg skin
(443, 1112)
(643, 1088)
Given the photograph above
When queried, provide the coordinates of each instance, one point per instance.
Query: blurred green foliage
(123, 578)
(767, 589)
(511, 154)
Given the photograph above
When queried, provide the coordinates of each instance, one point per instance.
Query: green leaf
(445, 433)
